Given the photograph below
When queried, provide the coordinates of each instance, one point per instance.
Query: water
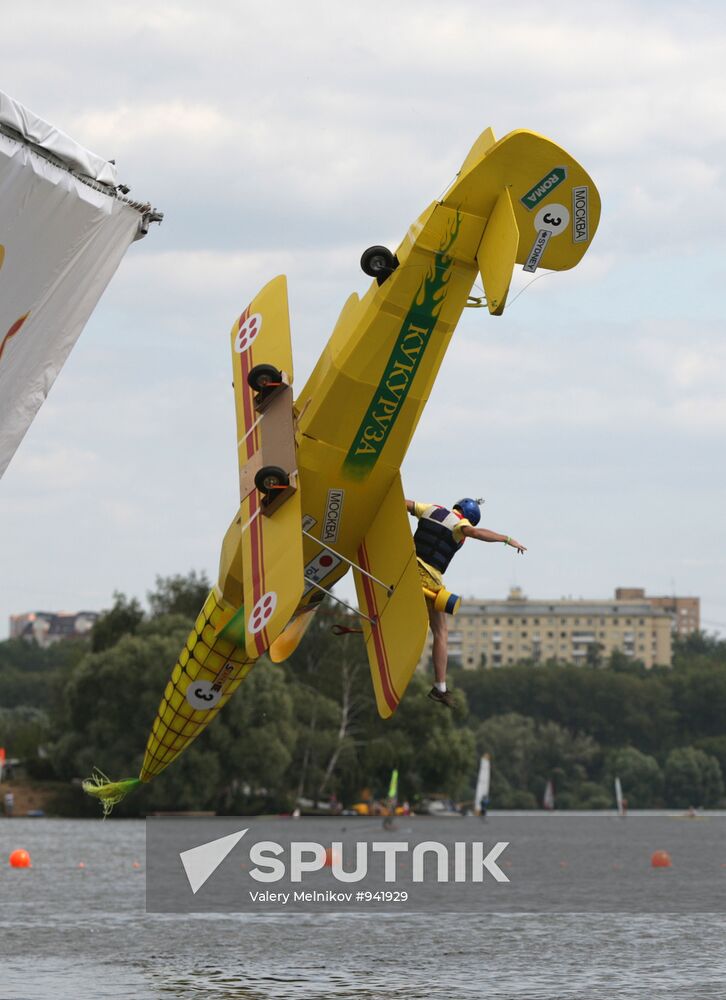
(77, 932)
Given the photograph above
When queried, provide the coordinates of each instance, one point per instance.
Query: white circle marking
(554, 218)
(262, 612)
(247, 333)
(201, 696)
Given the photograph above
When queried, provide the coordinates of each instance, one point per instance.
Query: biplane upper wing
(270, 522)
(396, 635)
(257, 592)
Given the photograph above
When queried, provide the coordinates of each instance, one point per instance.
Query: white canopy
(64, 229)
(46, 136)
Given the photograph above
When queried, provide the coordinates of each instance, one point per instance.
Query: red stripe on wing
(247, 394)
(256, 554)
(384, 670)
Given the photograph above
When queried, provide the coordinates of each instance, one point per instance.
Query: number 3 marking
(202, 695)
(554, 218)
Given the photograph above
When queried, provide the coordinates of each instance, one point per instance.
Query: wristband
(507, 540)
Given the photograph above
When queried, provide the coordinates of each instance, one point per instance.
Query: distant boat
(481, 796)
(548, 799)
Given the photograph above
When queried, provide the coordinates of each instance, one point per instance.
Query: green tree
(179, 595)
(698, 688)
(698, 646)
(328, 680)
(714, 746)
(640, 776)
(34, 676)
(23, 730)
(254, 744)
(122, 619)
(594, 657)
(526, 754)
(110, 702)
(692, 777)
(614, 708)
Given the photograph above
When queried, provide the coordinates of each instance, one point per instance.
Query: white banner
(61, 241)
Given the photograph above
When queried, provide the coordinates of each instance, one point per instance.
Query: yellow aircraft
(320, 486)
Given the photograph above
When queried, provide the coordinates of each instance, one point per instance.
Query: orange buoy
(20, 859)
(661, 859)
(81, 864)
(135, 864)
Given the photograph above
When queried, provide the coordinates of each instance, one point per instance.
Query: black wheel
(378, 262)
(263, 376)
(271, 478)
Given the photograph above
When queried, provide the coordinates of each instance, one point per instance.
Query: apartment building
(47, 627)
(488, 633)
(685, 612)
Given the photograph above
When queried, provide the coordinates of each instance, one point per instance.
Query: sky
(286, 138)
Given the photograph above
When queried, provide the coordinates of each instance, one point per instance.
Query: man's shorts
(428, 580)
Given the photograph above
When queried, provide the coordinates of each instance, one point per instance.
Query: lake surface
(77, 932)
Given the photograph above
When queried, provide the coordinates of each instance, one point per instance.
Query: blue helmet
(469, 508)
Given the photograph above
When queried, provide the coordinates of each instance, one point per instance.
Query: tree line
(308, 728)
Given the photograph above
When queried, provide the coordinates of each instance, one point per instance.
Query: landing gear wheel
(378, 262)
(271, 478)
(264, 377)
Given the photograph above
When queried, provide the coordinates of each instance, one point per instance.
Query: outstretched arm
(484, 535)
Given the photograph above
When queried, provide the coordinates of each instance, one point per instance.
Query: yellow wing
(396, 635)
(287, 642)
(259, 544)
(270, 507)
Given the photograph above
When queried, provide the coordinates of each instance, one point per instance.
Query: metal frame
(372, 621)
(388, 589)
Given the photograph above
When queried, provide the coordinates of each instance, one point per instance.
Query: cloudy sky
(286, 138)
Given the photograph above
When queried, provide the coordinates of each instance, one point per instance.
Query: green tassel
(106, 791)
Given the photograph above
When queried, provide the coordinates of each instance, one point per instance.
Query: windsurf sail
(548, 799)
(65, 224)
(481, 796)
(393, 788)
(619, 797)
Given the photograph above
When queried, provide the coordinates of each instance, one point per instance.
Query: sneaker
(445, 697)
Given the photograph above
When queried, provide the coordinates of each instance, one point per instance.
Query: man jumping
(439, 536)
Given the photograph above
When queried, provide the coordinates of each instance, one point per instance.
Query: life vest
(434, 537)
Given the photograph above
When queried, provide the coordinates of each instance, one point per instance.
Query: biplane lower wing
(396, 633)
(287, 642)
